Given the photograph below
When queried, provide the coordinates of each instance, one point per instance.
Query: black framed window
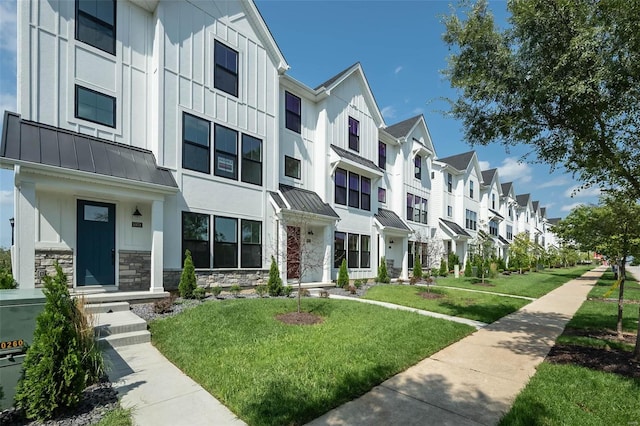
(382, 195)
(226, 152)
(354, 190)
(292, 167)
(353, 255)
(195, 238)
(509, 232)
(449, 211)
(493, 228)
(195, 143)
(410, 253)
(354, 134)
(493, 201)
(95, 107)
(251, 160)
(510, 213)
(417, 208)
(470, 189)
(382, 155)
(225, 73)
(96, 24)
(471, 220)
(365, 193)
(251, 250)
(293, 112)
(424, 215)
(409, 206)
(449, 182)
(341, 187)
(417, 161)
(225, 242)
(339, 251)
(365, 251)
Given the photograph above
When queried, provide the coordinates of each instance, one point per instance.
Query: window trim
(299, 168)
(417, 163)
(215, 243)
(216, 150)
(382, 155)
(113, 99)
(184, 141)
(296, 114)
(99, 21)
(250, 160)
(217, 43)
(354, 136)
(338, 186)
(208, 240)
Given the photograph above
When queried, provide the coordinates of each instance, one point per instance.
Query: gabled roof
(523, 199)
(459, 161)
(487, 175)
(403, 128)
(261, 27)
(26, 141)
(553, 220)
(535, 205)
(543, 212)
(389, 219)
(455, 228)
(328, 83)
(303, 200)
(343, 153)
(506, 187)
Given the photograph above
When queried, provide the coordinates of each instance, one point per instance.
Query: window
(424, 211)
(354, 134)
(225, 246)
(365, 251)
(96, 24)
(293, 112)
(195, 143)
(409, 206)
(418, 167)
(195, 238)
(353, 254)
(341, 187)
(251, 250)
(416, 209)
(382, 195)
(449, 211)
(470, 189)
(365, 193)
(251, 160)
(417, 203)
(493, 201)
(225, 74)
(493, 228)
(354, 190)
(382, 155)
(449, 182)
(510, 213)
(509, 232)
(339, 252)
(292, 167)
(471, 220)
(226, 152)
(527, 217)
(95, 107)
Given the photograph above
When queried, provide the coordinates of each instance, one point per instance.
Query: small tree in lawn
(383, 275)
(468, 271)
(343, 274)
(444, 270)
(188, 278)
(274, 285)
(417, 268)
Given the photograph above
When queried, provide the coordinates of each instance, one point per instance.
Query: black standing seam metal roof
(356, 158)
(389, 219)
(487, 175)
(306, 201)
(402, 128)
(503, 241)
(457, 229)
(495, 213)
(34, 142)
(535, 205)
(278, 200)
(543, 211)
(506, 187)
(523, 199)
(459, 161)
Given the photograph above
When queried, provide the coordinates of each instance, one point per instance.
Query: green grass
(605, 283)
(476, 306)
(117, 417)
(269, 373)
(572, 395)
(531, 284)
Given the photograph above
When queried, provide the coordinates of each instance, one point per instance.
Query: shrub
(261, 290)
(343, 275)
(358, 283)
(453, 260)
(199, 293)
(216, 290)
(163, 306)
(6, 280)
(444, 270)
(417, 267)
(468, 271)
(493, 270)
(286, 290)
(274, 285)
(188, 278)
(235, 290)
(54, 375)
(383, 275)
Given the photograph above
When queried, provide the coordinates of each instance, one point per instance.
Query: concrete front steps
(116, 326)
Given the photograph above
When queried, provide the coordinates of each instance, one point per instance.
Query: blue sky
(400, 47)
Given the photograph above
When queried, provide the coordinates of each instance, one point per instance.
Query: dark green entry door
(96, 243)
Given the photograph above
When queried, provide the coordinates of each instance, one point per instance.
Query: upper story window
(340, 196)
(226, 152)
(354, 134)
(382, 195)
(292, 167)
(251, 170)
(95, 107)
(510, 212)
(527, 217)
(354, 190)
(365, 193)
(382, 155)
(225, 75)
(418, 167)
(96, 24)
(416, 209)
(493, 228)
(471, 220)
(449, 211)
(293, 112)
(195, 143)
(509, 232)
(470, 189)
(449, 182)
(493, 201)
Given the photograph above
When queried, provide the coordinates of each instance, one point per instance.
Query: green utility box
(18, 312)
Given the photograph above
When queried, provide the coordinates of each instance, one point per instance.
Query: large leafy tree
(563, 78)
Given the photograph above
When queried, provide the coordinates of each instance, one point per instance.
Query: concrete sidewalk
(159, 393)
(473, 381)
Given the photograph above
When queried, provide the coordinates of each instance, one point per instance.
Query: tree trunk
(299, 293)
(636, 351)
(621, 277)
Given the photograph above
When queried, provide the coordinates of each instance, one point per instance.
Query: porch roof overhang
(503, 241)
(340, 156)
(390, 223)
(495, 215)
(298, 202)
(454, 230)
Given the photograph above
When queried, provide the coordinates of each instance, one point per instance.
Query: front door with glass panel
(96, 243)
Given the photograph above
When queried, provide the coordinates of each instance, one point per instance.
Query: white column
(328, 253)
(405, 258)
(25, 237)
(157, 246)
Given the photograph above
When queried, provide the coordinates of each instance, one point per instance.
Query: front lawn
(459, 303)
(270, 373)
(531, 284)
(603, 288)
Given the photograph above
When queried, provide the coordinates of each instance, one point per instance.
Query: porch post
(405, 259)
(157, 246)
(328, 258)
(25, 238)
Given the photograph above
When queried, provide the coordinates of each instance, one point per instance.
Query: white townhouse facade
(491, 207)
(524, 213)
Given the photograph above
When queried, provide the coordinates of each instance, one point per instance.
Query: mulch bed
(608, 360)
(299, 318)
(431, 295)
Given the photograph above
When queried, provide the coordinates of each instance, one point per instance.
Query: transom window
(292, 167)
(471, 220)
(417, 161)
(251, 160)
(226, 152)
(382, 155)
(293, 112)
(96, 24)
(195, 143)
(225, 73)
(95, 107)
(195, 238)
(354, 134)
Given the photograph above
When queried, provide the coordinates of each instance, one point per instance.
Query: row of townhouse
(149, 127)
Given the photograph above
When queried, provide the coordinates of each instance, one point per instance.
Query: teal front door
(96, 243)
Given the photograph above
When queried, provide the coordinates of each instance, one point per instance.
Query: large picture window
(251, 160)
(96, 24)
(293, 112)
(341, 187)
(354, 190)
(95, 107)
(195, 238)
(339, 248)
(226, 152)
(225, 73)
(251, 251)
(354, 134)
(225, 245)
(195, 143)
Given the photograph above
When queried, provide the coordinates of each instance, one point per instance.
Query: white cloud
(576, 192)
(559, 181)
(398, 69)
(570, 207)
(8, 20)
(514, 170)
(388, 112)
(484, 165)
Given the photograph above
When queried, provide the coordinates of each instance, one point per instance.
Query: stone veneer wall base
(45, 260)
(134, 270)
(211, 278)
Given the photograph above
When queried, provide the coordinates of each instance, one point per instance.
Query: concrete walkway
(159, 393)
(473, 381)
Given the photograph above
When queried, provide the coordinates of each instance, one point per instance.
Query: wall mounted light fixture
(310, 233)
(137, 212)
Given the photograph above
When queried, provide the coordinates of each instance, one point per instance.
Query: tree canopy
(563, 77)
